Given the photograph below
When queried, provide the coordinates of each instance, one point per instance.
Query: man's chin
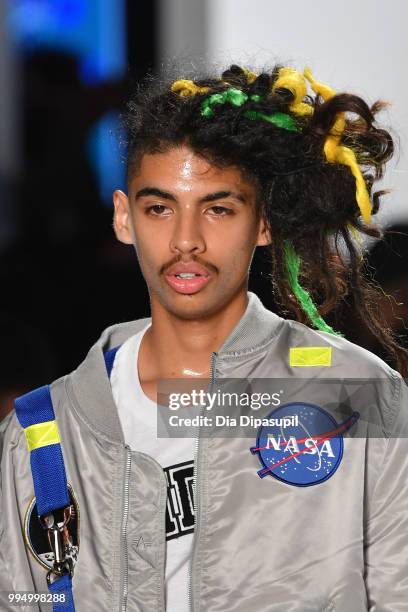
(190, 307)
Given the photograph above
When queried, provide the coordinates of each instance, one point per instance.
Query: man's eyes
(220, 211)
(159, 210)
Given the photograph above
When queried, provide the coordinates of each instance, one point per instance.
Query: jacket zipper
(125, 514)
(195, 491)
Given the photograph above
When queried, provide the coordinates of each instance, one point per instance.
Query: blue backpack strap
(110, 358)
(36, 416)
(63, 586)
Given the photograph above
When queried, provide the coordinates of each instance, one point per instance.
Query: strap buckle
(60, 540)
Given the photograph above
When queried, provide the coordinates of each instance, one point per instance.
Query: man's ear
(121, 217)
(264, 234)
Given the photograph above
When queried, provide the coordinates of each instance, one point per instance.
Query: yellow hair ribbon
(333, 140)
(347, 157)
(185, 88)
(336, 153)
(251, 76)
(289, 78)
(324, 90)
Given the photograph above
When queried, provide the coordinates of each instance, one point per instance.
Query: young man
(217, 167)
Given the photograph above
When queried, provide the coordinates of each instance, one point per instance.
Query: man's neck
(181, 348)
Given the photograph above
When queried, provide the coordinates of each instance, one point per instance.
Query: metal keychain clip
(59, 539)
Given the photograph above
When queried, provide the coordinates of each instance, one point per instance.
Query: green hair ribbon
(281, 120)
(236, 97)
(292, 262)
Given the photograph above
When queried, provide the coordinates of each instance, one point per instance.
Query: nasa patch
(36, 537)
(307, 451)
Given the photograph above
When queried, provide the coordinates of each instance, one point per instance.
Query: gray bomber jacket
(260, 543)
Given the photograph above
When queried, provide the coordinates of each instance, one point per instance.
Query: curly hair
(311, 203)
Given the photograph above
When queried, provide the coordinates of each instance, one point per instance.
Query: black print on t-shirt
(180, 502)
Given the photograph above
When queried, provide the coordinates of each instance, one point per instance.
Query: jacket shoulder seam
(396, 396)
(73, 402)
(254, 349)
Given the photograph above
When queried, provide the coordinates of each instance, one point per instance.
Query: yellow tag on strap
(310, 356)
(42, 434)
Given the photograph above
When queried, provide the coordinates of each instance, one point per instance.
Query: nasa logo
(302, 455)
(36, 537)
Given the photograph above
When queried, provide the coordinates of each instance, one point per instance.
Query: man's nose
(187, 235)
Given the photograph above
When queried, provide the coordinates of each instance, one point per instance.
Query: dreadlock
(313, 160)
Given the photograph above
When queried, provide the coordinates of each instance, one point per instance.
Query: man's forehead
(182, 167)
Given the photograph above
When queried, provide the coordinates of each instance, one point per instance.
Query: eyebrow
(210, 197)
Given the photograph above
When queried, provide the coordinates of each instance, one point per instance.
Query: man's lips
(187, 268)
(187, 278)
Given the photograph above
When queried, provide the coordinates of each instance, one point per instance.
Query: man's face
(194, 227)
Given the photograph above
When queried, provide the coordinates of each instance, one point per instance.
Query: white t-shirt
(138, 417)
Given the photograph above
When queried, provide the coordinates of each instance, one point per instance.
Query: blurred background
(66, 67)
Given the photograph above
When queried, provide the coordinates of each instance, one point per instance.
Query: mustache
(202, 262)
